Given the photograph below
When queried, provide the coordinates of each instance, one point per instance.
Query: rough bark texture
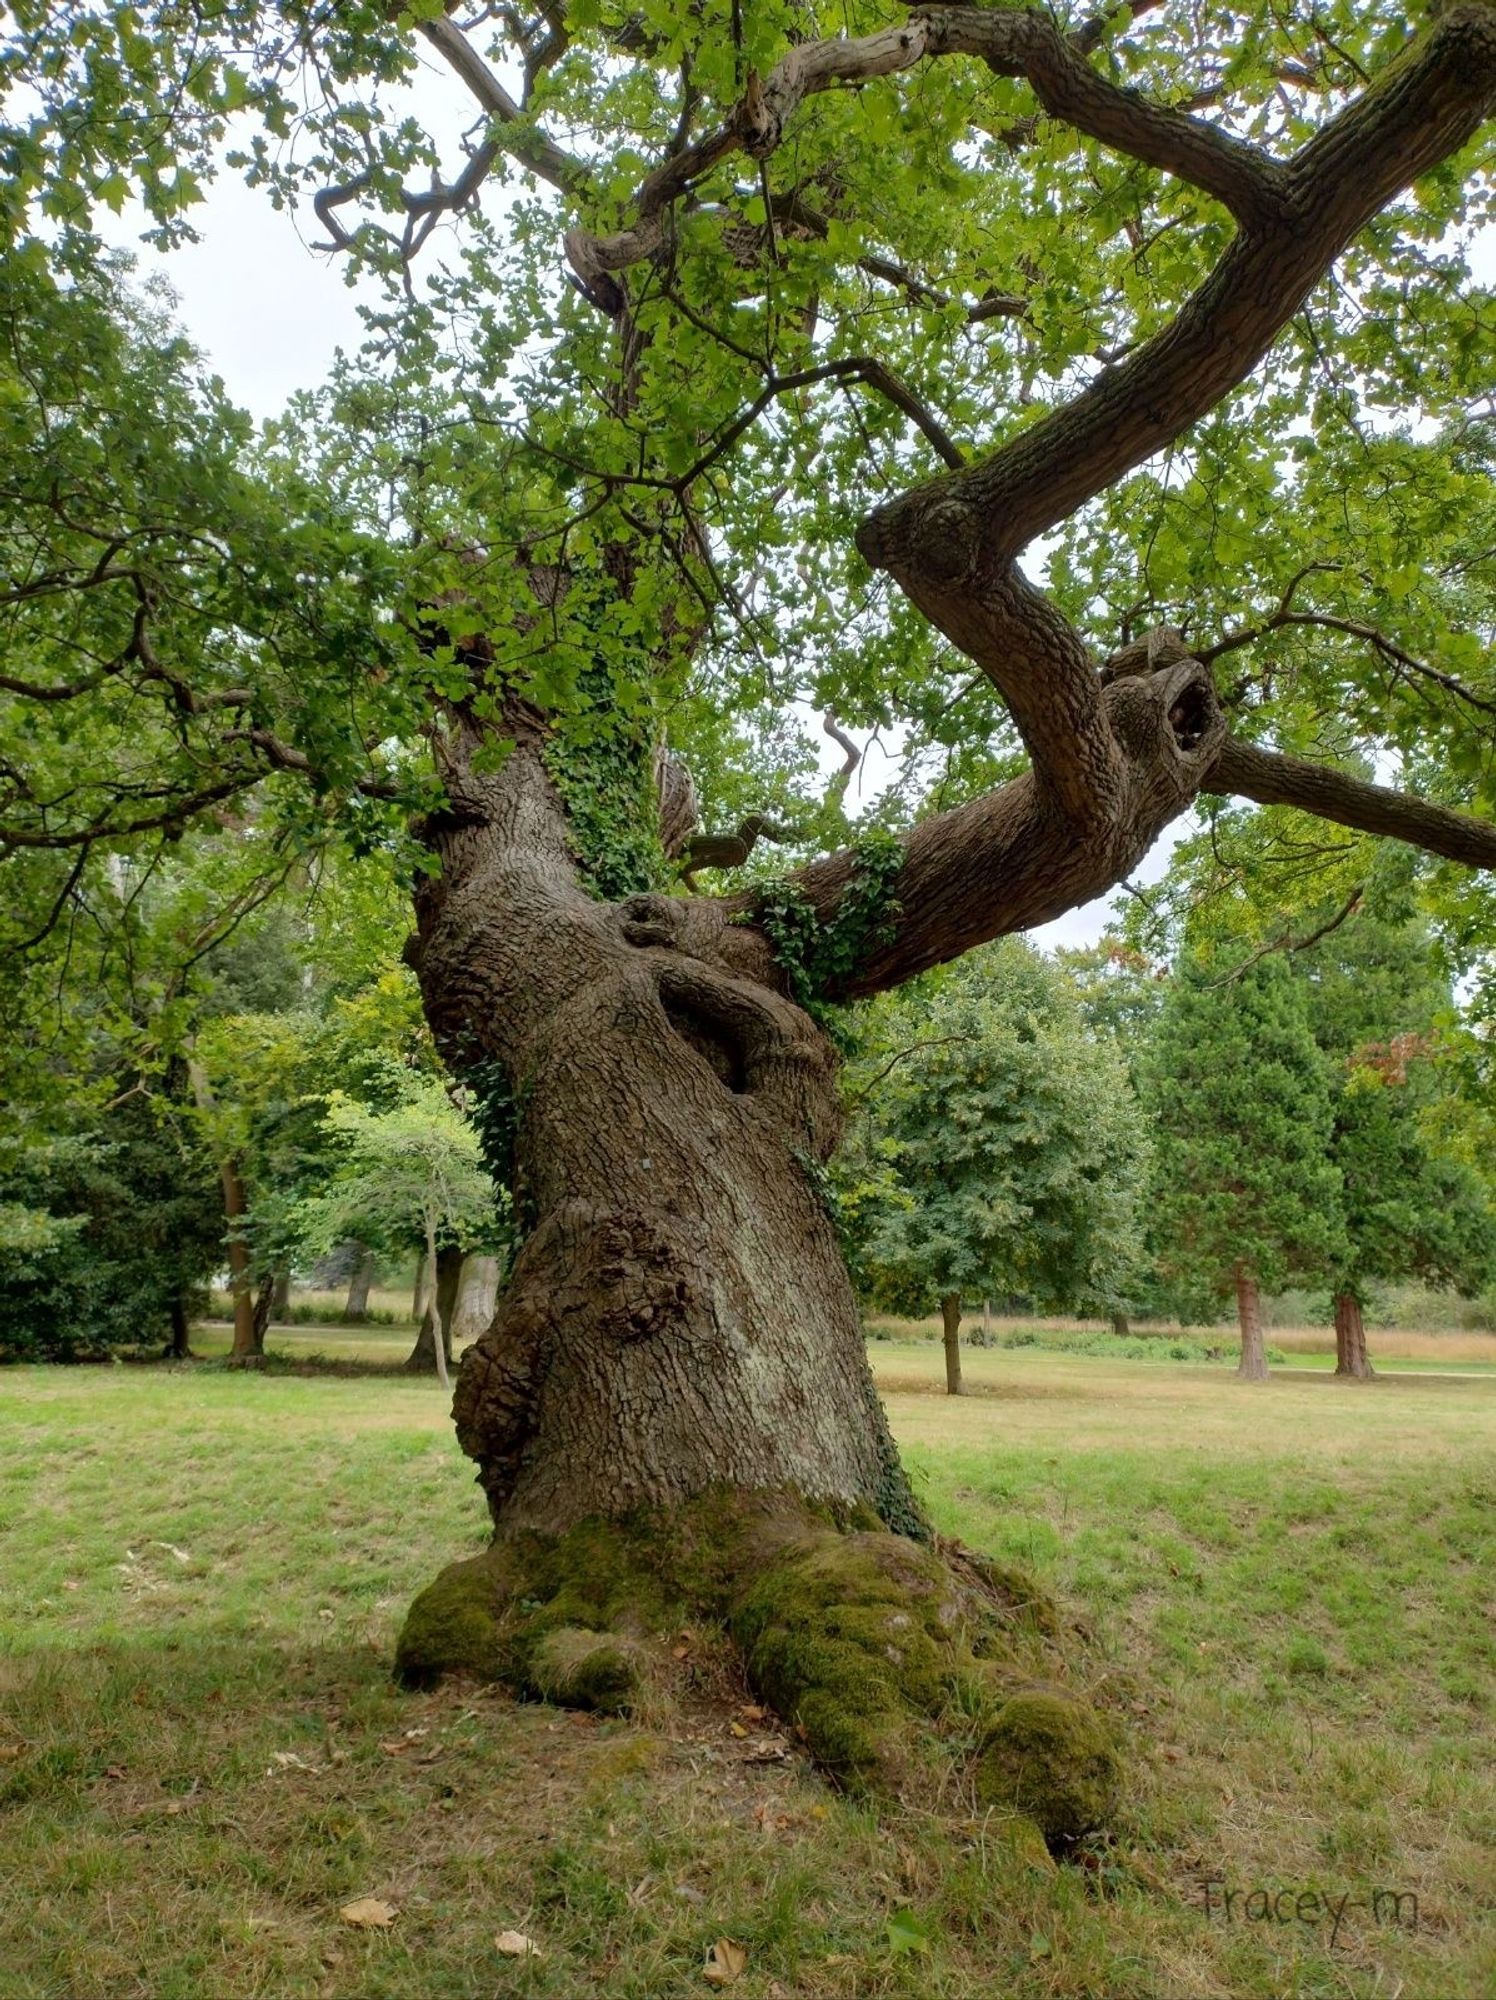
(1351, 1360)
(950, 1320)
(440, 1311)
(356, 1310)
(1253, 1364)
(679, 1317)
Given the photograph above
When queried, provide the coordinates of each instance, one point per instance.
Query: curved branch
(1426, 105)
(1019, 42)
(1271, 779)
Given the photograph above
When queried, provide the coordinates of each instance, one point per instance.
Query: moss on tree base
(895, 1662)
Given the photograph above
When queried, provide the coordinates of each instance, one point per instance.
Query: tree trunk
(1120, 1325)
(249, 1340)
(477, 1294)
(950, 1314)
(356, 1311)
(179, 1347)
(672, 1411)
(259, 1319)
(1253, 1364)
(425, 1357)
(1351, 1359)
(280, 1297)
(986, 1322)
(419, 1289)
(679, 1318)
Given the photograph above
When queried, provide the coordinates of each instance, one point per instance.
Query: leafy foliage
(1241, 1101)
(996, 1148)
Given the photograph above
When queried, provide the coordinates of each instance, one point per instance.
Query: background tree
(1412, 1208)
(411, 1175)
(973, 261)
(1247, 1191)
(1005, 1148)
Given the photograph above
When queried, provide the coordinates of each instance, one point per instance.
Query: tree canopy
(693, 293)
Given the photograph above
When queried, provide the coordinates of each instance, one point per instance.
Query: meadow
(1283, 1600)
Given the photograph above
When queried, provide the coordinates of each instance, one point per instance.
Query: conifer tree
(1247, 1192)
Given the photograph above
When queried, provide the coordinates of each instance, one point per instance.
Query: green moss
(453, 1626)
(1018, 1594)
(582, 1669)
(892, 1658)
(853, 1637)
(1049, 1757)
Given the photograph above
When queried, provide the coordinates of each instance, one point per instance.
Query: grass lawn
(1289, 1591)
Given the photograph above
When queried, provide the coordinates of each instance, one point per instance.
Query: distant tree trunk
(477, 1294)
(950, 1313)
(248, 1344)
(418, 1290)
(1253, 1364)
(1120, 1325)
(986, 1322)
(280, 1296)
(260, 1317)
(179, 1347)
(431, 1354)
(1350, 1339)
(356, 1311)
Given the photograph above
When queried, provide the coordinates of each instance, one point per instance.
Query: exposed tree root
(898, 1665)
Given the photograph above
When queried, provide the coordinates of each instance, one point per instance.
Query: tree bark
(426, 1358)
(679, 1318)
(477, 1294)
(356, 1310)
(280, 1296)
(1253, 1364)
(179, 1347)
(1120, 1325)
(950, 1314)
(419, 1288)
(1351, 1359)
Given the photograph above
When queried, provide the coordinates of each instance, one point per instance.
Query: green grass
(202, 1757)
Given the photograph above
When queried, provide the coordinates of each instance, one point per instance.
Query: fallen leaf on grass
(514, 1944)
(369, 1914)
(725, 1962)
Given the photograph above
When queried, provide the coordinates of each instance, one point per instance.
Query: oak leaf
(725, 1962)
(367, 1913)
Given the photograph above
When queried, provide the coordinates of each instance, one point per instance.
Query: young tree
(409, 1175)
(1247, 1189)
(973, 260)
(1004, 1146)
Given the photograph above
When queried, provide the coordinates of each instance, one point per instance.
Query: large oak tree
(738, 361)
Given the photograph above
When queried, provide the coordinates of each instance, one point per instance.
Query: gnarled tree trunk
(1351, 1360)
(1253, 1364)
(950, 1322)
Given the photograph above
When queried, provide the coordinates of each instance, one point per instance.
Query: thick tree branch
(1012, 42)
(1427, 104)
(1272, 779)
